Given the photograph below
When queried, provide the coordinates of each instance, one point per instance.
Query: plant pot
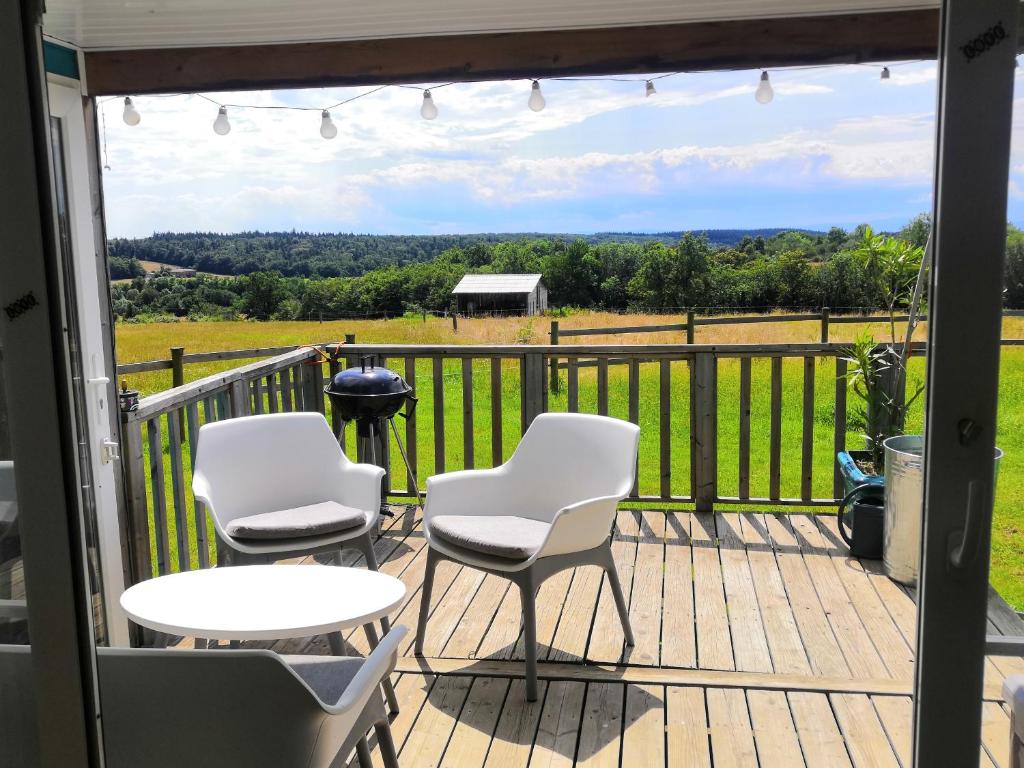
(853, 476)
(904, 505)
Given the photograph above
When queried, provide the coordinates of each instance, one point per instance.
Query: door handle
(964, 552)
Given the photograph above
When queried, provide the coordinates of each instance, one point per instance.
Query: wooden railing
(475, 402)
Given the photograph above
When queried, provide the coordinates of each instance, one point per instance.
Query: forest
(305, 254)
(787, 269)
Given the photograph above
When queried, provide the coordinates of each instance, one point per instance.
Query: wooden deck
(758, 642)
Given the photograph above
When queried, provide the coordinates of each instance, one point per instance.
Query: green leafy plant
(874, 373)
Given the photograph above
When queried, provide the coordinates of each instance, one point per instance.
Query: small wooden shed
(525, 294)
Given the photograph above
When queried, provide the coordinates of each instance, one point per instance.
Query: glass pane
(75, 366)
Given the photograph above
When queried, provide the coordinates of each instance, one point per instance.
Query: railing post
(690, 327)
(137, 559)
(534, 387)
(238, 397)
(824, 325)
(554, 360)
(704, 430)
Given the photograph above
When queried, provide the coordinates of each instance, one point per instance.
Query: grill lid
(368, 380)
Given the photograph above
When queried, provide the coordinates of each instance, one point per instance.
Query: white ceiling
(111, 24)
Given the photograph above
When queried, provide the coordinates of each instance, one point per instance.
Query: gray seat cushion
(328, 676)
(508, 536)
(300, 522)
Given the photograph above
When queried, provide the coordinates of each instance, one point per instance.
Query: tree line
(790, 269)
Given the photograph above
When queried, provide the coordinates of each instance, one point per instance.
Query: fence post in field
(704, 428)
(824, 325)
(534, 387)
(178, 376)
(554, 360)
(690, 327)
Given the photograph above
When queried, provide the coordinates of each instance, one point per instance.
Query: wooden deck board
(555, 746)
(774, 731)
(714, 643)
(606, 640)
(643, 727)
(749, 640)
(679, 641)
(759, 642)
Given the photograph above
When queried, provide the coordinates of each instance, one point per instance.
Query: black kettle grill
(371, 396)
(368, 395)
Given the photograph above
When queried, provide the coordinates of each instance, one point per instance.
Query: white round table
(263, 602)
(267, 602)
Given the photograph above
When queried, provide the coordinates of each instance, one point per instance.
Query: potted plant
(877, 373)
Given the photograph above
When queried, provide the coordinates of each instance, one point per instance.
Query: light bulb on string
(221, 126)
(428, 110)
(536, 101)
(327, 127)
(764, 92)
(885, 73)
(649, 89)
(130, 115)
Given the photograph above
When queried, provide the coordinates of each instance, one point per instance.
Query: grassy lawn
(147, 342)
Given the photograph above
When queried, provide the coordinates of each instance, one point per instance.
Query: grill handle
(364, 358)
(415, 401)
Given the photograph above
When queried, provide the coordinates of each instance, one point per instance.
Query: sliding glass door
(977, 48)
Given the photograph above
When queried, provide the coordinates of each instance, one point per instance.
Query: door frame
(65, 102)
(972, 160)
(38, 398)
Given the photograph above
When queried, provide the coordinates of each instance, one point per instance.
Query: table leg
(337, 643)
(389, 689)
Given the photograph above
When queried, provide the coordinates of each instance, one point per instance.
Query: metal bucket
(904, 506)
(904, 503)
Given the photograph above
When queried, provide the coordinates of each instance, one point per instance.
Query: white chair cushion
(297, 523)
(508, 536)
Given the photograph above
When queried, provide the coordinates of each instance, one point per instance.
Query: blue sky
(836, 146)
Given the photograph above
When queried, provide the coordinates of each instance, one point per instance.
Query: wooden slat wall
(178, 489)
(156, 474)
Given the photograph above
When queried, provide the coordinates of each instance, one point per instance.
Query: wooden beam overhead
(701, 46)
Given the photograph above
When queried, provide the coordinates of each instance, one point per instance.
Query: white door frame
(977, 51)
(66, 103)
(37, 392)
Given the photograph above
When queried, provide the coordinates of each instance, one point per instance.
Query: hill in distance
(350, 255)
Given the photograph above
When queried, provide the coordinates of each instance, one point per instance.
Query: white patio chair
(548, 508)
(279, 486)
(1013, 693)
(170, 708)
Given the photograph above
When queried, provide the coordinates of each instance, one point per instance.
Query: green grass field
(144, 342)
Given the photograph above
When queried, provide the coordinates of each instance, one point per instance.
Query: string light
(536, 101)
(221, 126)
(130, 115)
(764, 93)
(327, 127)
(428, 110)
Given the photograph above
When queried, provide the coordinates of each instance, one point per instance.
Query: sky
(837, 146)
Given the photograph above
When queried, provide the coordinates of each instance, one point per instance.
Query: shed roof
(497, 284)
